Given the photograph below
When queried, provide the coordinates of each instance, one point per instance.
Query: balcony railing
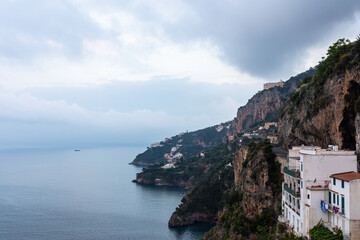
(331, 209)
(292, 192)
(295, 174)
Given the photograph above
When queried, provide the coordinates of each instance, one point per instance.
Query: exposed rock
(265, 105)
(177, 220)
(162, 182)
(357, 127)
(240, 156)
(333, 124)
(256, 195)
(252, 183)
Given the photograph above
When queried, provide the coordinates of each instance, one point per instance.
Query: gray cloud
(116, 113)
(49, 47)
(174, 96)
(264, 38)
(31, 28)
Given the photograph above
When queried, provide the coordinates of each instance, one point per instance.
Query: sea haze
(62, 194)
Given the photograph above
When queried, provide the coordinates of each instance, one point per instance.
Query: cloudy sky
(86, 72)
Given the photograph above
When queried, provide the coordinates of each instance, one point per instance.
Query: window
(301, 167)
(308, 196)
(329, 197)
(297, 225)
(342, 184)
(342, 204)
(334, 197)
(337, 199)
(334, 181)
(301, 184)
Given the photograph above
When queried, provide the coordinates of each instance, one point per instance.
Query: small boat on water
(77, 150)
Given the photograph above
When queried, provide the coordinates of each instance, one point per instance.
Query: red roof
(347, 176)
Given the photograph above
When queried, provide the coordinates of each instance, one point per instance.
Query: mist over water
(61, 194)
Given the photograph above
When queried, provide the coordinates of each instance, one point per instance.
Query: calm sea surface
(61, 194)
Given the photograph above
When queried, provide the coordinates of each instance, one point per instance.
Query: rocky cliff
(262, 107)
(210, 188)
(265, 105)
(357, 127)
(254, 201)
(322, 110)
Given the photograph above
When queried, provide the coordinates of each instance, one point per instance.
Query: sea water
(48, 194)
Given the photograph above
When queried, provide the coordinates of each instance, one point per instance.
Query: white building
(307, 180)
(343, 203)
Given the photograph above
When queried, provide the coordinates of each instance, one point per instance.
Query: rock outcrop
(265, 105)
(333, 124)
(178, 220)
(256, 195)
(357, 127)
(322, 111)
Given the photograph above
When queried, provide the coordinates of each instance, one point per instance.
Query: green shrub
(320, 232)
(304, 81)
(281, 227)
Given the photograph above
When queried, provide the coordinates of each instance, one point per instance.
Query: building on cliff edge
(321, 185)
(273, 84)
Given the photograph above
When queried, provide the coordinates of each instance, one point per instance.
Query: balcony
(292, 192)
(295, 174)
(331, 208)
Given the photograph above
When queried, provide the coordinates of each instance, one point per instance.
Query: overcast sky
(81, 72)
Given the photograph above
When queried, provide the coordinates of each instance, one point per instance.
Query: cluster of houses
(321, 185)
(262, 133)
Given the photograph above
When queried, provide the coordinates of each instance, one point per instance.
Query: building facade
(307, 183)
(343, 206)
(273, 84)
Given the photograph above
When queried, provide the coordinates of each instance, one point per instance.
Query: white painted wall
(320, 165)
(341, 191)
(354, 200)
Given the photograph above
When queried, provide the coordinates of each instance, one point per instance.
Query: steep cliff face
(253, 203)
(321, 111)
(265, 105)
(239, 158)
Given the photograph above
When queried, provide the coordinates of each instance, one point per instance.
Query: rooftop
(318, 187)
(326, 152)
(347, 176)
